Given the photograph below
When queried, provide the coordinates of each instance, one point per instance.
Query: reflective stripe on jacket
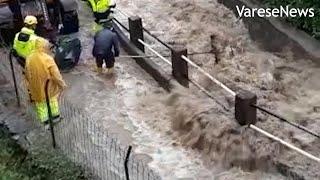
(24, 42)
(42, 109)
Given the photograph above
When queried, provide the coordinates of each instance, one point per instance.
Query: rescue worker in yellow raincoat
(24, 41)
(40, 67)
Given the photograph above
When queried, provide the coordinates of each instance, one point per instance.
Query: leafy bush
(17, 164)
(307, 24)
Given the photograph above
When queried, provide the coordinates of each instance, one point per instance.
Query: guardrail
(245, 101)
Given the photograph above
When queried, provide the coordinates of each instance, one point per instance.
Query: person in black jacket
(105, 49)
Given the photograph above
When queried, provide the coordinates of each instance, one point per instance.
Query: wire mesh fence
(98, 152)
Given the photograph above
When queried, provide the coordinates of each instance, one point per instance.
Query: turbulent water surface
(284, 84)
(132, 106)
(185, 134)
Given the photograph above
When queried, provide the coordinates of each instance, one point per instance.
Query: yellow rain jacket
(40, 67)
(100, 6)
(24, 42)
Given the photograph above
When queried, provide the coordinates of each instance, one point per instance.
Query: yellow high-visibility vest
(99, 6)
(25, 47)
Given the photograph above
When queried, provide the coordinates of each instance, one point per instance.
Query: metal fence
(245, 106)
(83, 141)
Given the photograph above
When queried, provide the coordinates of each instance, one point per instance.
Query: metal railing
(234, 94)
(99, 152)
(165, 59)
(80, 138)
(286, 121)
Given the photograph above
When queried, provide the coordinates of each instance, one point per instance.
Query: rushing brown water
(185, 134)
(127, 105)
(284, 84)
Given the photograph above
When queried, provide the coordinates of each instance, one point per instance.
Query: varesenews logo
(274, 12)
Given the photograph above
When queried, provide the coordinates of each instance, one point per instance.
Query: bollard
(180, 66)
(136, 31)
(245, 113)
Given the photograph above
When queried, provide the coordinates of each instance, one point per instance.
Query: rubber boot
(110, 70)
(99, 70)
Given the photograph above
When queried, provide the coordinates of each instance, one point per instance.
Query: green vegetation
(311, 25)
(17, 164)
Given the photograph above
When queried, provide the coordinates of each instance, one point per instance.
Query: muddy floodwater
(286, 85)
(184, 134)
(117, 104)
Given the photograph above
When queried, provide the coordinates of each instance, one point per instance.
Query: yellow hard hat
(30, 20)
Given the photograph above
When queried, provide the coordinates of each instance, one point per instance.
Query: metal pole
(50, 115)
(155, 52)
(143, 56)
(126, 162)
(284, 120)
(14, 79)
(159, 40)
(147, 56)
(284, 143)
(209, 76)
(123, 26)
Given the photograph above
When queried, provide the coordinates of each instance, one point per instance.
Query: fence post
(180, 66)
(14, 79)
(50, 115)
(136, 31)
(126, 162)
(245, 113)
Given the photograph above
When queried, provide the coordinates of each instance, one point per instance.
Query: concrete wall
(275, 36)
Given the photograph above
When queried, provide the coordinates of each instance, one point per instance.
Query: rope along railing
(123, 26)
(156, 38)
(209, 76)
(245, 108)
(155, 52)
(209, 95)
(81, 138)
(152, 56)
(163, 57)
(147, 31)
(287, 121)
(284, 143)
(192, 81)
